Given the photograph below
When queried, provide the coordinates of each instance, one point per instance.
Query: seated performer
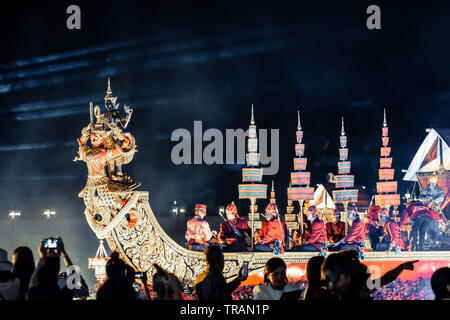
(318, 233)
(235, 232)
(432, 194)
(198, 234)
(336, 228)
(273, 235)
(355, 237)
(373, 228)
(391, 234)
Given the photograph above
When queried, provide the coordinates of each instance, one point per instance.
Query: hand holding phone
(244, 270)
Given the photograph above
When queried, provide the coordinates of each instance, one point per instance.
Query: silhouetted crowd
(339, 276)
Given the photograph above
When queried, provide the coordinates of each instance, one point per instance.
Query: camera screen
(51, 243)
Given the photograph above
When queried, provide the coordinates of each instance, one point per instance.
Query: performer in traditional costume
(392, 239)
(198, 234)
(373, 228)
(234, 234)
(355, 238)
(273, 235)
(432, 194)
(335, 229)
(318, 233)
(426, 221)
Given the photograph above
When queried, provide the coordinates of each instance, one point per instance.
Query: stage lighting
(49, 213)
(14, 214)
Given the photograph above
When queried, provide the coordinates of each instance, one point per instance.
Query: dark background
(176, 62)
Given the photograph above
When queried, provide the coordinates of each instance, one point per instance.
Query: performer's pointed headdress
(110, 101)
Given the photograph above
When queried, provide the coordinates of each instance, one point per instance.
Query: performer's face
(97, 139)
(201, 213)
(311, 214)
(230, 216)
(337, 216)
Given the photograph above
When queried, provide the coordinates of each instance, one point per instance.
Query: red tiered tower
(386, 188)
(299, 189)
(343, 178)
(252, 175)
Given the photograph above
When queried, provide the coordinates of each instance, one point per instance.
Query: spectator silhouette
(166, 285)
(275, 286)
(440, 283)
(211, 284)
(336, 273)
(24, 266)
(119, 285)
(9, 287)
(313, 276)
(46, 283)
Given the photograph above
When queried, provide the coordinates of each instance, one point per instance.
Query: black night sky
(178, 62)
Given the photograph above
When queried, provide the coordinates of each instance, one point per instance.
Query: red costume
(318, 234)
(227, 234)
(415, 210)
(356, 232)
(271, 230)
(392, 234)
(335, 231)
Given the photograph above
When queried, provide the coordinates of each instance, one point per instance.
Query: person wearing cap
(391, 234)
(198, 234)
(273, 234)
(9, 287)
(335, 229)
(234, 231)
(355, 236)
(318, 233)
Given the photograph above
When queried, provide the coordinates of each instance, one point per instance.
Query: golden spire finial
(252, 121)
(342, 128)
(108, 90)
(272, 194)
(384, 118)
(299, 126)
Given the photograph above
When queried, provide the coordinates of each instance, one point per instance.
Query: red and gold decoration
(299, 189)
(386, 188)
(343, 180)
(252, 176)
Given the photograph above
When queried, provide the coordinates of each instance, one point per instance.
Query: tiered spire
(252, 188)
(110, 101)
(343, 179)
(299, 189)
(272, 194)
(386, 188)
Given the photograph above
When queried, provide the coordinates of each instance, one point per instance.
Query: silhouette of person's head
(214, 258)
(313, 269)
(337, 270)
(23, 260)
(440, 283)
(116, 267)
(160, 282)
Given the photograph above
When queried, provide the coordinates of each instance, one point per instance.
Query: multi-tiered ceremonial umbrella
(344, 181)
(386, 187)
(299, 189)
(252, 188)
